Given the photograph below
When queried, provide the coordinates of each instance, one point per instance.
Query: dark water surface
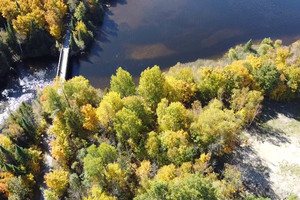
(141, 33)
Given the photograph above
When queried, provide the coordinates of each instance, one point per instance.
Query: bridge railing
(59, 62)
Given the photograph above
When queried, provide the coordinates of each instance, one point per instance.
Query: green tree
(109, 106)
(216, 129)
(74, 122)
(193, 186)
(93, 166)
(248, 46)
(171, 117)
(80, 12)
(232, 54)
(129, 129)
(267, 76)
(22, 155)
(107, 152)
(7, 156)
(152, 86)
(137, 105)
(122, 83)
(79, 92)
(158, 191)
(25, 118)
(178, 146)
(96, 159)
(18, 188)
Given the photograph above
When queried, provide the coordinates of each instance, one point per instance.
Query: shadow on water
(108, 29)
(114, 3)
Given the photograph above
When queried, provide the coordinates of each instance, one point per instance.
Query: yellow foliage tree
(144, 170)
(90, 116)
(114, 175)
(9, 9)
(98, 194)
(254, 61)
(166, 173)
(110, 104)
(179, 90)
(80, 26)
(57, 181)
(5, 142)
(46, 14)
(281, 58)
(178, 146)
(60, 151)
(246, 79)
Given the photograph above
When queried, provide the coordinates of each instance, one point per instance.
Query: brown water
(141, 33)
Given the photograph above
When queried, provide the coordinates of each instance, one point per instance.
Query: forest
(28, 22)
(166, 137)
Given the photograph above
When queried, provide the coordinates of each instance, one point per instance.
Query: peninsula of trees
(160, 139)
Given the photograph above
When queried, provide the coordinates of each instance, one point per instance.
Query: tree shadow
(255, 175)
(264, 132)
(271, 109)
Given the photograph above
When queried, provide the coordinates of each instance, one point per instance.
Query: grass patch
(285, 124)
(294, 169)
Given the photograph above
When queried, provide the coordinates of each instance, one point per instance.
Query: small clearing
(269, 159)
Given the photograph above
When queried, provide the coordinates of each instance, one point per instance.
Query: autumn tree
(153, 147)
(80, 12)
(137, 104)
(90, 117)
(179, 90)
(216, 129)
(210, 83)
(96, 159)
(267, 76)
(178, 146)
(129, 129)
(152, 86)
(116, 177)
(171, 117)
(57, 180)
(246, 104)
(18, 189)
(122, 83)
(53, 98)
(79, 92)
(109, 106)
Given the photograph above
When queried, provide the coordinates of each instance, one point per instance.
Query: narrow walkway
(62, 67)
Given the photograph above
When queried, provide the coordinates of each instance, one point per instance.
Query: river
(29, 76)
(137, 34)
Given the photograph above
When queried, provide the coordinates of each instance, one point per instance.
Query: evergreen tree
(22, 155)
(8, 156)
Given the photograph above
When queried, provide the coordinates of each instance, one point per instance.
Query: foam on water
(23, 89)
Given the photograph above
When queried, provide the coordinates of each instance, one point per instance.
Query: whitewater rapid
(24, 88)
